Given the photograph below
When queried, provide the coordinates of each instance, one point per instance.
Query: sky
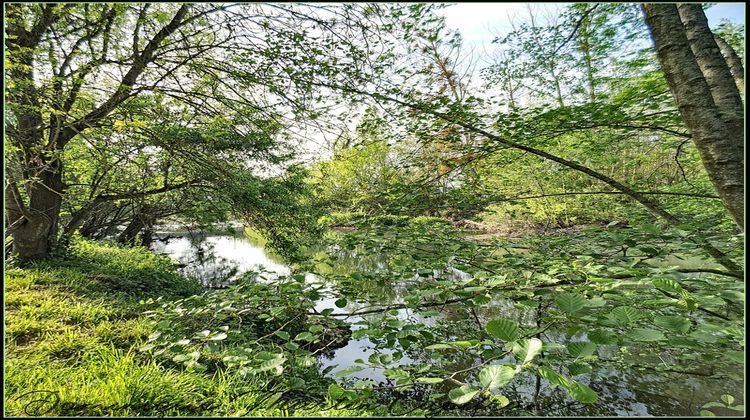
(478, 22)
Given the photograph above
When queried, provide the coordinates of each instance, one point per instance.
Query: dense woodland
(513, 231)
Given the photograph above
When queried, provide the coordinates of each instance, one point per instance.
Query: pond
(218, 259)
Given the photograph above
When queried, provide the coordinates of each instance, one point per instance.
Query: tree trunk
(710, 114)
(733, 61)
(714, 67)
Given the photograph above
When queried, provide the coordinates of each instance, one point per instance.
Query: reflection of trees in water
(203, 263)
(620, 392)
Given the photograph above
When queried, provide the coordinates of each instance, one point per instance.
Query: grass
(72, 327)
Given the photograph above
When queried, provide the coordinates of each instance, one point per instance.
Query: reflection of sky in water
(219, 259)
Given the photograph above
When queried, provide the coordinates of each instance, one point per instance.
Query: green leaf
(570, 302)
(646, 334)
(727, 399)
(305, 336)
(282, 334)
(501, 400)
(602, 337)
(526, 350)
(668, 285)
(278, 360)
(463, 344)
(147, 347)
(463, 394)
(673, 323)
(581, 348)
(579, 368)
(625, 315)
(582, 393)
(182, 358)
(502, 328)
(439, 346)
(396, 374)
(296, 383)
(496, 376)
(706, 413)
(340, 303)
(552, 377)
(336, 393)
(349, 371)
(425, 380)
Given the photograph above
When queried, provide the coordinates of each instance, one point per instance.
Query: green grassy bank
(73, 327)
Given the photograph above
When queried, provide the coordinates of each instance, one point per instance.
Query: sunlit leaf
(463, 394)
(496, 376)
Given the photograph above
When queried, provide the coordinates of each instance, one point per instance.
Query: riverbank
(73, 330)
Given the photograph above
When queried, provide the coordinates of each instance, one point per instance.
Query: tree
(706, 95)
(75, 68)
(45, 115)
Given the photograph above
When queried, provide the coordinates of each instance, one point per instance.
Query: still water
(218, 259)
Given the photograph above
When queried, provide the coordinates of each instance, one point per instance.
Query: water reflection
(217, 260)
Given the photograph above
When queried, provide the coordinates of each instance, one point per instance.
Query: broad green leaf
(668, 285)
(581, 348)
(526, 350)
(349, 371)
(646, 334)
(496, 376)
(501, 400)
(272, 363)
(305, 336)
(296, 383)
(582, 393)
(727, 399)
(463, 394)
(218, 337)
(182, 358)
(570, 302)
(340, 302)
(147, 347)
(602, 337)
(336, 393)
(579, 368)
(282, 334)
(439, 346)
(396, 374)
(552, 377)
(425, 380)
(625, 315)
(673, 323)
(464, 344)
(502, 328)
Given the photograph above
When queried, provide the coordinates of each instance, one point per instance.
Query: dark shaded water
(217, 260)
